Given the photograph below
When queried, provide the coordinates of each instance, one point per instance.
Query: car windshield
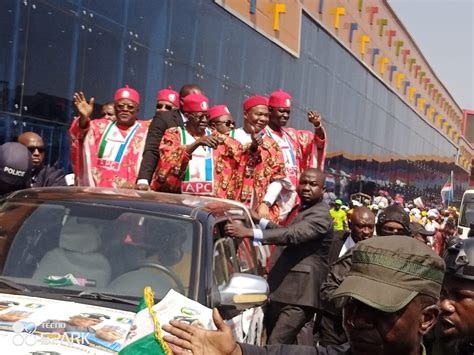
(467, 214)
(95, 248)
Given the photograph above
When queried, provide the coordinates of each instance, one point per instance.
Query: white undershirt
(185, 119)
(349, 243)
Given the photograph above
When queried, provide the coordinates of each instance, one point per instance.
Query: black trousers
(284, 321)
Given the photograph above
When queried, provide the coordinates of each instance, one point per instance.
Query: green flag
(145, 335)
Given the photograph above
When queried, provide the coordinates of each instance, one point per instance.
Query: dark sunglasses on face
(126, 106)
(33, 149)
(228, 123)
(160, 106)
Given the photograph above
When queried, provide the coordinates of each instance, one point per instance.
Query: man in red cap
(107, 153)
(167, 100)
(220, 119)
(160, 123)
(301, 149)
(262, 168)
(194, 159)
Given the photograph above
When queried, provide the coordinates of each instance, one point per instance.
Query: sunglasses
(160, 106)
(228, 123)
(39, 149)
(127, 106)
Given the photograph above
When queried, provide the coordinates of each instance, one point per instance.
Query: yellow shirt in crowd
(339, 217)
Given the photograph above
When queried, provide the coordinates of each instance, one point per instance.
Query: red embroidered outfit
(106, 155)
(258, 170)
(206, 171)
(301, 149)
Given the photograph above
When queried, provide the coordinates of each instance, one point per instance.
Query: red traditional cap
(255, 101)
(169, 95)
(127, 93)
(280, 99)
(195, 103)
(218, 111)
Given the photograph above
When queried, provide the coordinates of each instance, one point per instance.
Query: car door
(238, 255)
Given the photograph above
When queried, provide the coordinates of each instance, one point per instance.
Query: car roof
(183, 204)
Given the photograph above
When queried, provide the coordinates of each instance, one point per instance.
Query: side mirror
(244, 291)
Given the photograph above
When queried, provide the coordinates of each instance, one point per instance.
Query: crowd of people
(348, 277)
(436, 226)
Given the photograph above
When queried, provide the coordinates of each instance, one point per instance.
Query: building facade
(390, 121)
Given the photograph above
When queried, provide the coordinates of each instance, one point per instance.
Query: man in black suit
(298, 273)
(160, 123)
(362, 225)
(43, 175)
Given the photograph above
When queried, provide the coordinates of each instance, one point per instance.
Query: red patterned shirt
(206, 171)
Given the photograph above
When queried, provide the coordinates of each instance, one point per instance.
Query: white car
(466, 213)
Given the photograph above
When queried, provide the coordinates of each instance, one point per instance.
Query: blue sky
(444, 31)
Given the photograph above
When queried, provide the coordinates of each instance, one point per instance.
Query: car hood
(49, 326)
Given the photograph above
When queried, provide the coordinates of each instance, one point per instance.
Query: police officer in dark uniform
(15, 167)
